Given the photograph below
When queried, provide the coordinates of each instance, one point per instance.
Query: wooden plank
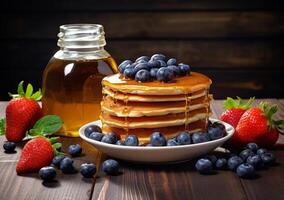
(161, 25)
(30, 186)
(138, 5)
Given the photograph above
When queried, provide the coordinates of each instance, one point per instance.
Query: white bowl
(157, 154)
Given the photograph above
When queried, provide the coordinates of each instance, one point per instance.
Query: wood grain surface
(171, 181)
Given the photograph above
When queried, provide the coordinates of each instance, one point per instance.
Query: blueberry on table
(162, 63)
(268, 158)
(183, 138)
(157, 139)
(110, 167)
(9, 147)
(245, 170)
(255, 161)
(153, 64)
(244, 154)
(57, 160)
(175, 69)
(221, 163)
(200, 137)
(216, 131)
(212, 158)
(120, 142)
(252, 146)
(75, 149)
(66, 165)
(129, 73)
(234, 162)
(261, 151)
(158, 57)
(184, 69)
(172, 61)
(172, 142)
(131, 140)
(109, 138)
(88, 170)
(47, 173)
(164, 74)
(204, 166)
(123, 65)
(145, 58)
(153, 73)
(96, 136)
(143, 76)
(92, 128)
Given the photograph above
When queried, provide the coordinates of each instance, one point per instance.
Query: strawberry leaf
(37, 96)
(21, 91)
(47, 125)
(231, 103)
(2, 126)
(29, 91)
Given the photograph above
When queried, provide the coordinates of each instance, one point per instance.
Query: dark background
(238, 43)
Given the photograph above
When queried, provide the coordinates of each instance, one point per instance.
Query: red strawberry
(269, 139)
(22, 112)
(255, 125)
(234, 110)
(36, 154)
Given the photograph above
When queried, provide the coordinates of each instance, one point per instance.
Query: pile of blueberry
(157, 67)
(244, 163)
(215, 131)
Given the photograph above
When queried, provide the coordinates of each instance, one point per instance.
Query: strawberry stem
(28, 93)
(232, 103)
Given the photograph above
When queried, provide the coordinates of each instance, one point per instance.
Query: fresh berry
(88, 170)
(244, 154)
(200, 137)
(153, 73)
(141, 66)
(235, 110)
(234, 162)
(66, 165)
(123, 65)
(131, 140)
(204, 166)
(22, 112)
(57, 160)
(252, 146)
(212, 158)
(37, 153)
(75, 150)
(158, 57)
(183, 138)
(47, 173)
(143, 76)
(172, 61)
(111, 167)
(157, 139)
(261, 151)
(153, 64)
(9, 147)
(120, 142)
(172, 142)
(255, 161)
(221, 163)
(184, 69)
(175, 69)
(129, 73)
(162, 63)
(90, 129)
(216, 131)
(269, 139)
(109, 138)
(145, 58)
(245, 170)
(96, 136)
(268, 158)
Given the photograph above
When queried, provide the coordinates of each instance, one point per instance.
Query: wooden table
(176, 181)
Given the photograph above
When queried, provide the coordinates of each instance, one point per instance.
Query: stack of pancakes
(130, 107)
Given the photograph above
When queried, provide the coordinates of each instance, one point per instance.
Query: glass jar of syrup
(72, 78)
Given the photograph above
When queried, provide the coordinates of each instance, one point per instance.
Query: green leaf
(230, 103)
(47, 125)
(29, 91)
(2, 126)
(37, 96)
(57, 145)
(21, 91)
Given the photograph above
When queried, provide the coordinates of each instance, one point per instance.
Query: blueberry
(212, 158)
(142, 61)
(153, 73)
(143, 76)
(255, 161)
(268, 158)
(175, 69)
(244, 154)
(158, 57)
(153, 64)
(172, 61)
(145, 58)
(47, 173)
(111, 167)
(96, 136)
(162, 63)
(120, 142)
(75, 149)
(172, 142)
(184, 69)
(129, 73)
(92, 128)
(109, 138)
(9, 147)
(204, 166)
(252, 146)
(245, 170)
(140, 66)
(66, 165)
(157, 139)
(261, 151)
(234, 162)
(183, 138)
(200, 137)
(216, 131)
(123, 65)
(88, 170)
(131, 140)
(57, 160)
(164, 74)
(221, 163)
